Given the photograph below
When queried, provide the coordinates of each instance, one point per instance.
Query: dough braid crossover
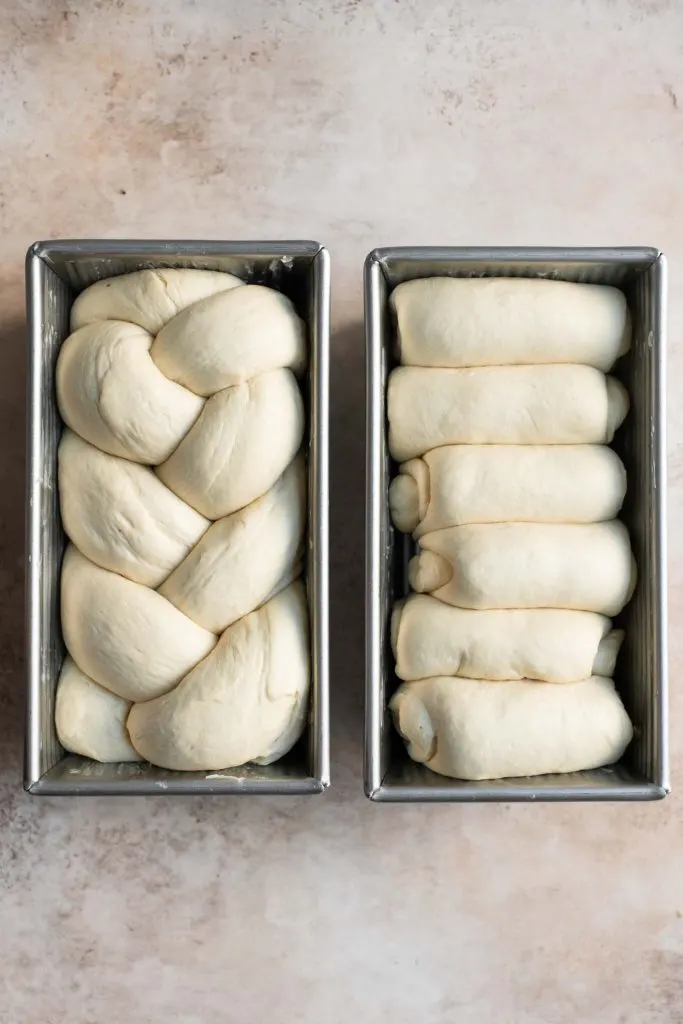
(183, 494)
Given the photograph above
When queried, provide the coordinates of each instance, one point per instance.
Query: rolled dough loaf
(563, 404)
(90, 720)
(430, 638)
(471, 729)
(243, 441)
(587, 567)
(460, 484)
(123, 635)
(245, 558)
(493, 321)
(247, 700)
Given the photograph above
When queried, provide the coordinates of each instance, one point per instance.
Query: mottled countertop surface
(358, 123)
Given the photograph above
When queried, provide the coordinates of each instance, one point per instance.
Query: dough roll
(492, 321)
(460, 484)
(587, 567)
(430, 638)
(546, 404)
(470, 729)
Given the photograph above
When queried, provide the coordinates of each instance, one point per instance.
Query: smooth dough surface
(430, 638)
(247, 700)
(111, 393)
(501, 320)
(149, 298)
(244, 558)
(229, 338)
(121, 516)
(90, 720)
(473, 729)
(123, 635)
(243, 441)
(546, 404)
(587, 567)
(460, 484)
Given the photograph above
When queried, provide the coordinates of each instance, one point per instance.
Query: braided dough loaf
(184, 500)
(490, 321)
(468, 483)
(501, 405)
(473, 729)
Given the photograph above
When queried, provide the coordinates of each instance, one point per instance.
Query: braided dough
(587, 567)
(461, 484)
(245, 702)
(489, 321)
(91, 720)
(184, 500)
(501, 405)
(430, 638)
(472, 729)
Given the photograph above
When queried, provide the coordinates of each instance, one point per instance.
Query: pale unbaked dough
(549, 404)
(460, 484)
(472, 729)
(90, 720)
(493, 321)
(149, 298)
(430, 638)
(588, 567)
(121, 516)
(229, 338)
(244, 439)
(246, 701)
(193, 373)
(245, 558)
(111, 393)
(123, 635)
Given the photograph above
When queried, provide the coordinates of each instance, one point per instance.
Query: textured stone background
(360, 123)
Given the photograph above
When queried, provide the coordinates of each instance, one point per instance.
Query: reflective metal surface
(641, 669)
(55, 273)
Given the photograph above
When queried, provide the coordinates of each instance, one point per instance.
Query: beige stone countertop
(358, 123)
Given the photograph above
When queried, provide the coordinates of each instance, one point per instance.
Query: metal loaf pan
(55, 273)
(641, 669)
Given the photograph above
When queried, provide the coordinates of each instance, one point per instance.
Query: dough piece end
(403, 503)
(428, 572)
(606, 654)
(617, 407)
(414, 724)
(409, 494)
(396, 625)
